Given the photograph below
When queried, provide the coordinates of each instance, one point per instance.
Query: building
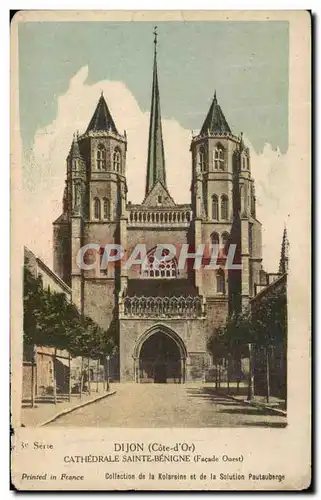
(40, 363)
(162, 316)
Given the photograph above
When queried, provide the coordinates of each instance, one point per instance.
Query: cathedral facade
(162, 315)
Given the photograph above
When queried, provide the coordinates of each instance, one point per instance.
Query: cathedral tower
(93, 208)
(212, 189)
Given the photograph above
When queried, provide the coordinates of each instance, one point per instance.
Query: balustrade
(182, 307)
(159, 217)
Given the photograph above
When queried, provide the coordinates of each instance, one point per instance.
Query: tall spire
(156, 158)
(284, 260)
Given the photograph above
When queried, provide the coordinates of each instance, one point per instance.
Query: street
(168, 405)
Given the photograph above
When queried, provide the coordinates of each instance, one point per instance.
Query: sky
(63, 67)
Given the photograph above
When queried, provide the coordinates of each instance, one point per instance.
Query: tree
(269, 317)
(216, 343)
(51, 320)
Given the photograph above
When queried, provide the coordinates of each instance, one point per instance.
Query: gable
(158, 197)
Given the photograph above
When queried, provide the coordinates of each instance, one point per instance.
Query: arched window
(225, 242)
(97, 208)
(220, 281)
(106, 208)
(219, 158)
(101, 157)
(214, 207)
(215, 240)
(224, 207)
(117, 160)
(154, 268)
(202, 159)
(102, 262)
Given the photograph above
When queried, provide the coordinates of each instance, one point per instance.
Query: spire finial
(215, 99)
(102, 93)
(284, 259)
(155, 37)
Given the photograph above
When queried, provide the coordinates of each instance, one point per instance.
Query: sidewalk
(274, 405)
(46, 411)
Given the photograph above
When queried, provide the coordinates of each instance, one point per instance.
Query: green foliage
(269, 318)
(50, 320)
(216, 343)
(265, 324)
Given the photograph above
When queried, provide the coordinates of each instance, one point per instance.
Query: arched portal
(160, 357)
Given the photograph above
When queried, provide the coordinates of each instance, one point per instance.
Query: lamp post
(107, 363)
(250, 390)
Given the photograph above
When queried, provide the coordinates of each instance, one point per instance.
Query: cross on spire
(155, 36)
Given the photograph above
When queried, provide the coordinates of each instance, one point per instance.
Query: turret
(105, 152)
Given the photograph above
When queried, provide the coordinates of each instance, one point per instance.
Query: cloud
(44, 169)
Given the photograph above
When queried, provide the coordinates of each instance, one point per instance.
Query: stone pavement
(169, 405)
(45, 410)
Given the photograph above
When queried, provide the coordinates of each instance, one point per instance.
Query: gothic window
(253, 201)
(250, 238)
(225, 242)
(106, 203)
(154, 268)
(215, 239)
(101, 252)
(248, 163)
(220, 281)
(101, 157)
(243, 160)
(97, 208)
(116, 160)
(224, 207)
(202, 159)
(219, 158)
(214, 207)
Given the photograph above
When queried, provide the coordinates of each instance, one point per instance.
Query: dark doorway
(160, 373)
(160, 360)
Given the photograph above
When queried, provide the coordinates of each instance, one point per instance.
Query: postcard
(160, 240)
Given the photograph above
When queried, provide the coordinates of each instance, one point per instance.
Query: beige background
(278, 451)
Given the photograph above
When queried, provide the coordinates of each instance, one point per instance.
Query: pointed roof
(74, 151)
(284, 259)
(102, 119)
(215, 121)
(156, 158)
